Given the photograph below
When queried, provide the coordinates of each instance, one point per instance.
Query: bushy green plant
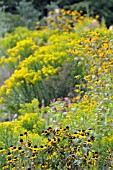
(33, 119)
(32, 122)
(4, 27)
(28, 14)
(9, 133)
(10, 40)
(62, 84)
(43, 59)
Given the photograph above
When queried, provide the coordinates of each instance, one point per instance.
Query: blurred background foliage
(27, 13)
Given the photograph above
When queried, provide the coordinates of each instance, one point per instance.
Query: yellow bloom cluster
(70, 20)
(43, 54)
(29, 122)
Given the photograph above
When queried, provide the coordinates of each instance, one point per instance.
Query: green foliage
(4, 27)
(62, 84)
(9, 134)
(32, 122)
(103, 9)
(29, 107)
(28, 14)
(52, 6)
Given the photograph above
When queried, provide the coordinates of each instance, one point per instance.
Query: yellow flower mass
(59, 95)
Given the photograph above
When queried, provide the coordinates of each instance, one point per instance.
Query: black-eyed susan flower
(21, 135)
(29, 144)
(21, 142)
(14, 167)
(25, 133)
(5, 166)
(15, 158)
(33, 156)
(9, 155)
(2, 150)
(19, 149)
(14, 149)
(41, 148)
(35, 149)
(10, 160)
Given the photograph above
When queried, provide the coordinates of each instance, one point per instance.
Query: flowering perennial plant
(75, 130)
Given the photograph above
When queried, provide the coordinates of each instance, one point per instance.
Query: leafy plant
(28, 14)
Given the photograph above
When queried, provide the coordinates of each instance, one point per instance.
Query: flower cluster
(61, 149)
(26, 81)
(70, 20)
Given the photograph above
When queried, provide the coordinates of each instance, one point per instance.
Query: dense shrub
(37, 59)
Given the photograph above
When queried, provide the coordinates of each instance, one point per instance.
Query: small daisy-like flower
(19, 149)
(21, 142)
(5, 166)
(26, 134)
(21, 135)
